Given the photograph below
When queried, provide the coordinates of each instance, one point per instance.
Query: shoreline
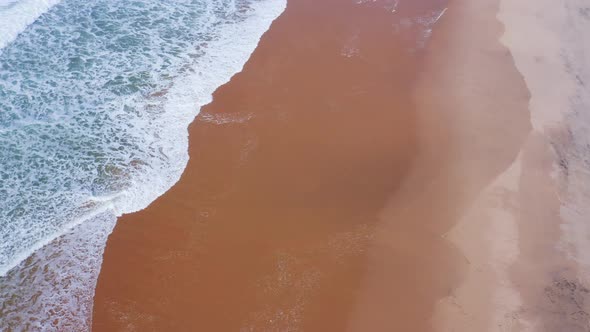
(374, 165)
(66, 226)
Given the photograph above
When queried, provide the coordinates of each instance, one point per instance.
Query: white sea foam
(16, 15)
(86, 136)
(53, 289)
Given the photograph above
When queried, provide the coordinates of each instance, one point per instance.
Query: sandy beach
(526, 233)
(376, 166)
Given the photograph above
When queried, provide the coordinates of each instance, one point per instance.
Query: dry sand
(526, 236)
(370, 169)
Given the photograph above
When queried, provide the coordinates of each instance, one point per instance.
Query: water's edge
(51, 287)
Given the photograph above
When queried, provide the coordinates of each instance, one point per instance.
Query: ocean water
(95, 100)
(16, 15)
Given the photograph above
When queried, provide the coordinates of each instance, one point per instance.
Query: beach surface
(526, 234)
(376, 166)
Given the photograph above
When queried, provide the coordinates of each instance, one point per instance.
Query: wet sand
(330, 182)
